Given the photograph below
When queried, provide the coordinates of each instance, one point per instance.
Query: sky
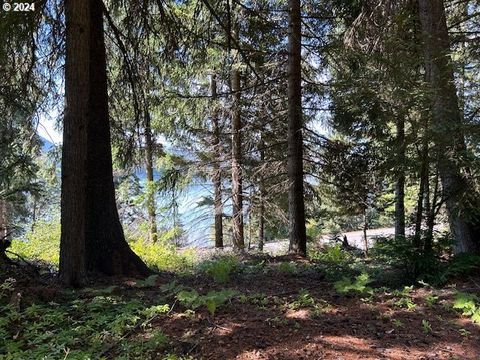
(46, 128)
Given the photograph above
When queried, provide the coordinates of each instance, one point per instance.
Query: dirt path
(355, 239)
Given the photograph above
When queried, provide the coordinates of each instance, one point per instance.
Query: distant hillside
(46, 144)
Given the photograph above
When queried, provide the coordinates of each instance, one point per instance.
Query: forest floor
(264, 308)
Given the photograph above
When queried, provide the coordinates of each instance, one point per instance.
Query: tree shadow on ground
(350, 329)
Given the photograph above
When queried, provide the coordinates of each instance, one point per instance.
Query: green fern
(212, 301)
(468, 304)
(359, 285)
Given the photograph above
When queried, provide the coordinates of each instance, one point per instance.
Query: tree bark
(92, 237)
(400, 183)
(261, 205)
(151, 204)
(447, 127)
(34, 213)
(107, 251)
(237, 198)
(423, 192)
(4, 223)
(365, 228)
(4, 233)
(431, 211)
(217, 175)
(74, 149)
(296, 206)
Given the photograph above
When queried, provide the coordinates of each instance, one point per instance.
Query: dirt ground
(269, 322)
(335, 327)
(351, 330)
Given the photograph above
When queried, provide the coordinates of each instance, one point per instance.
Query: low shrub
(40, 244)
(469, 304)
(288, 268)
(463, 264)
(358, 285)
(163, 257)
(43, 244)
(220, 268)
(399, 253)
(334, 254)
(212, 301)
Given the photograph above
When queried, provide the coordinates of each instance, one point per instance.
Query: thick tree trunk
(217, 172)
(296, 206)
(92, 236)
(400, 183)
(74, 149)
(447, 126)
(107, 252)
(151, 205)
(237, 198)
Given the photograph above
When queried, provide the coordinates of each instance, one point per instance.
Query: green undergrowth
(98, 323)
(160, 257)
(393, 263)
(192, 300)
(358, 285)
(83, 328)
(220, 268)
(469, 305)
(333, 254)
(212, 301)
(42, 244)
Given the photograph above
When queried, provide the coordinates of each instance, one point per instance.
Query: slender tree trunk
(261, 205)
(400, 184)
(107, 252)
(217, 172)
(151, 204)
(34, 213)
(296, 206)
(4, 233)
(463, 47)
(74, 149)
(237, 198)
(3, 220)
(261, 223)
(447, 127)
(365, 228)
(431, 211)
(175, 215)
(422, 193)
(250, 219)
